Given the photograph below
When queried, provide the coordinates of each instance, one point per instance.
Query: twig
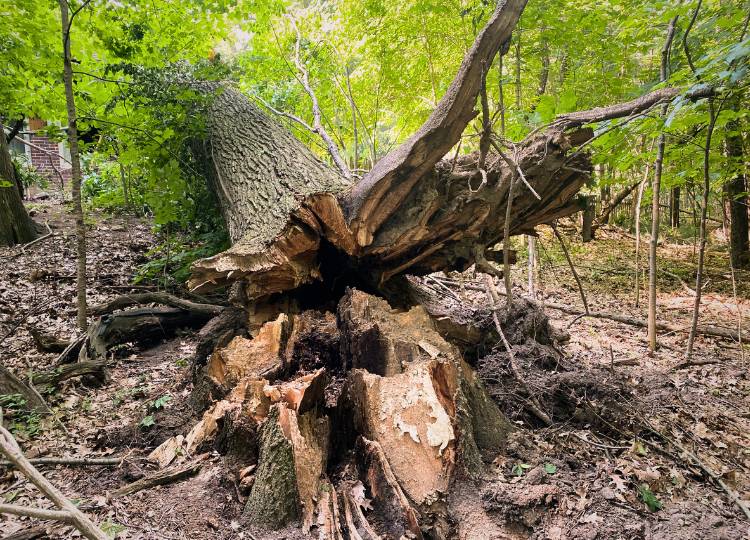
(534, 406)
(572, 268)
(600, 445)
(12, 451)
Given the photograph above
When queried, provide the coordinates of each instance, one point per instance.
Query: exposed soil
(589, 475)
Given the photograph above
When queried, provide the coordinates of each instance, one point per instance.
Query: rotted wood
(141, 326)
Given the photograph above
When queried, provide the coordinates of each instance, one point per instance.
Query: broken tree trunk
(363, 423)
(294, 221)
(395, 415)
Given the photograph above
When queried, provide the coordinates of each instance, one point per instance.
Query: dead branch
(129, 300)
(70, 461)
(59, 374)
(159, 478)
(706, 330)
(617, 201)
(70, 512)
(37, 513)
(572, 268)
(37, 240)
(317, 126)
(10, 384)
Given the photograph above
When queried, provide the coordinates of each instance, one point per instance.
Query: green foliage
(151, 408)
(112, 528)
(550, 468)
(23, 422)
(378, 70)
(519, 469)
(169, 262)
(28, 174)
(648, 497)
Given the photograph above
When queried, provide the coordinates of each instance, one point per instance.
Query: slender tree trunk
(500, 96)
(674, 207)
(532, 267)
(656, 191)
(638, 201)
(589, 213)
(703, 232)
(544, 74)
(735, 191)
(16, 227)
(518, 69)
(76, 169)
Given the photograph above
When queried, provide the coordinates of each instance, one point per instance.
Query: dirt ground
(626, 457)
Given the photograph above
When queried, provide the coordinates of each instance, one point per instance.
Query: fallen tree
(344, 387)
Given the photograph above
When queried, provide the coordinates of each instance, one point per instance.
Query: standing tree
(67, 24)
(16, 227)
(655, 193)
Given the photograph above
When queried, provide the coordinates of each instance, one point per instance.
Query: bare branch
(317, 126)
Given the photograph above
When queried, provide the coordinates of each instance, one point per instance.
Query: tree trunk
(656, 191)
(589, 213)
(674, 207)
(16, 227)
(76, 169)
(327, 378)
(735, 191)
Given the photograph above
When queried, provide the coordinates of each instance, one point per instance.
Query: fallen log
(142, 326)
(59, 374)
(159, 478)
(70, 461)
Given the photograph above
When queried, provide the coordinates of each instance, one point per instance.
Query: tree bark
(16, 227)
(735, 191)
(589, 213)
(656, 191)
(75, 164)
(674, 207)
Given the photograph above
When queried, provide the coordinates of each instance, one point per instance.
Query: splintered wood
(398, 433)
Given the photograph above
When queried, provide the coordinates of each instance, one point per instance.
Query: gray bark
(16, 227)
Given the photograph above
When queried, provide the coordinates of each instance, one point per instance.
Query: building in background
(48, 157)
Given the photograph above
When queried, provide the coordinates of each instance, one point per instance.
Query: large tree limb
(379, 193)
(413, 213)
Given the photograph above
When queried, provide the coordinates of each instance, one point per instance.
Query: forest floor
(594, 474)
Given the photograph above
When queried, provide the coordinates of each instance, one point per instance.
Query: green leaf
(148, 421)
(112, 528)
(161, 402)
(519, 469)
(648, 497)
(550, 468)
